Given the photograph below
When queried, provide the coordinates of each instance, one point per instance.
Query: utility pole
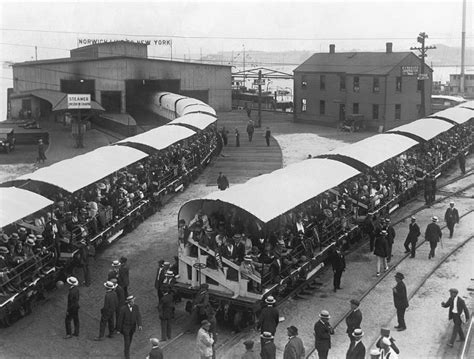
(259, 121)
(463, 47)
(421, 39)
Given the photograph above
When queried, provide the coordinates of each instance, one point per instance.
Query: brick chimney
(388, 47)
(332, 49)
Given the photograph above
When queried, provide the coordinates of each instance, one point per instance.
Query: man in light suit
(128, 322)
(456, 306)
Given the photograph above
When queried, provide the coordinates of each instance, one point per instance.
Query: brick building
(384, 87)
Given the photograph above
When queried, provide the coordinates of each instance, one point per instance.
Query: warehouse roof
(367, 63)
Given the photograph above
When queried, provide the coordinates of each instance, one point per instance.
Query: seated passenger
(201, 218)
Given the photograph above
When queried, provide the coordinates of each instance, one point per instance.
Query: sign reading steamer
(78, 101)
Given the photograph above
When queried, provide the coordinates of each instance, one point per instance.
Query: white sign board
(79, 101)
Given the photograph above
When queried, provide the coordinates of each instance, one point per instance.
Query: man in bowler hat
(129, 320)
(400, 300)
(322, 334)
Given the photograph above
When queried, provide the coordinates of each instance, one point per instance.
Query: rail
(465, 353)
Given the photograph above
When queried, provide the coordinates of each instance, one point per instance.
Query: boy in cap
(72, 312)
(294, 349)
(249, 352)
(400, 300)
(356, 348)
(456, 307)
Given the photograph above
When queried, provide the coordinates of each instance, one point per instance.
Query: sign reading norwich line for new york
(79, 101)
(156, 42)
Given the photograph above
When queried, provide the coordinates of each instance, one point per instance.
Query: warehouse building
(380, 89)
(119, 76)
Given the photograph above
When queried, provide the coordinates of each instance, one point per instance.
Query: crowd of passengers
(88, 211)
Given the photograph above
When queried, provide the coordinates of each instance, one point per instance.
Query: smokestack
(388, 47)
(332, 49)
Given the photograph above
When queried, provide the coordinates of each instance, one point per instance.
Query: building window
(375, 112)
(303, 105)
(398, 111)
(342, 83)
(322, 82)
(419, 85)
(398, 85)
(356, 84)
(322, 107)
(355, 108)
(376, 85)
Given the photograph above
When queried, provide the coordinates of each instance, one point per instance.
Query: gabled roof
(361, 63)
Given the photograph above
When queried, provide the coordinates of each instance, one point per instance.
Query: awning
(62, 106)
(81, 171)
(18, 203)
(198, 108)
(426, 128)
(197, 120)
(161, 137)
(185, 102)
(459, 114)
(271, 195)
(376, 149)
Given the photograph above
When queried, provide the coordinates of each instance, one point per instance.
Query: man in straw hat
(156, 352)
(294, 349)
(108, 311)
(386, 350)
(72, 312)
(412, 237)
(322, 334)
(356, 348)
(205, 340)
(129, 320)
(268, 348)
(456, 307)
(269, 317)
(114, 272)
(400, 300)
(433, 235)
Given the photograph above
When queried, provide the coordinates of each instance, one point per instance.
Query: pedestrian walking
(156, 352)
(356, 348)
(269, 317)
(451, 217)
(268, 348)
(385, 333)
(400, 300)
(268, 134)
(250, 130)
(386, 351)
(249, 352)
(237, 138)
(72, 311)
(41, 152)
(322, 334)
(338, 263)
(123, 278)
(205, 341)
(224, 135)
(129, 320)
(456, 306)
(120, 301)
(354, 319)
(294, 349)
(222, 182)
(390, 238)
(412, 237)
(165, 313)
(107, 313)
(433, 236)
(462, 162)
(381, 250)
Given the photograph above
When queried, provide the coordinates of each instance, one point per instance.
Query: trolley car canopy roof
(81, 171)
(198, 120)
(426, 128)
(458, 114)
(17, 203)
(468, 104)
(197, 108)
(271, 195)
(376, 149)
(161, 137)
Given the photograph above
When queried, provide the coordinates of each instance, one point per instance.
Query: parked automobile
(7, 139)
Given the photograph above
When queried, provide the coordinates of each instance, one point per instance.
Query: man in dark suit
(156, 352)
(390, 238)
(322, 335)
(268, 348)
(338, 263)
(160, 276)
(72, 312)
(456, 307)
(354, 319)
(198, 310)
(129, 320)
(113, 273)
(108, 311)
(165, 312)
(451, 217)
(123, 275)
(400, 300)
(356, 348)
(412, 237)
(433, 236)
(120, 300)
(269, 317)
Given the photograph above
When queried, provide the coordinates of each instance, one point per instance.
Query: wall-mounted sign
(79, 101)
(410, 70)
(423, 77)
